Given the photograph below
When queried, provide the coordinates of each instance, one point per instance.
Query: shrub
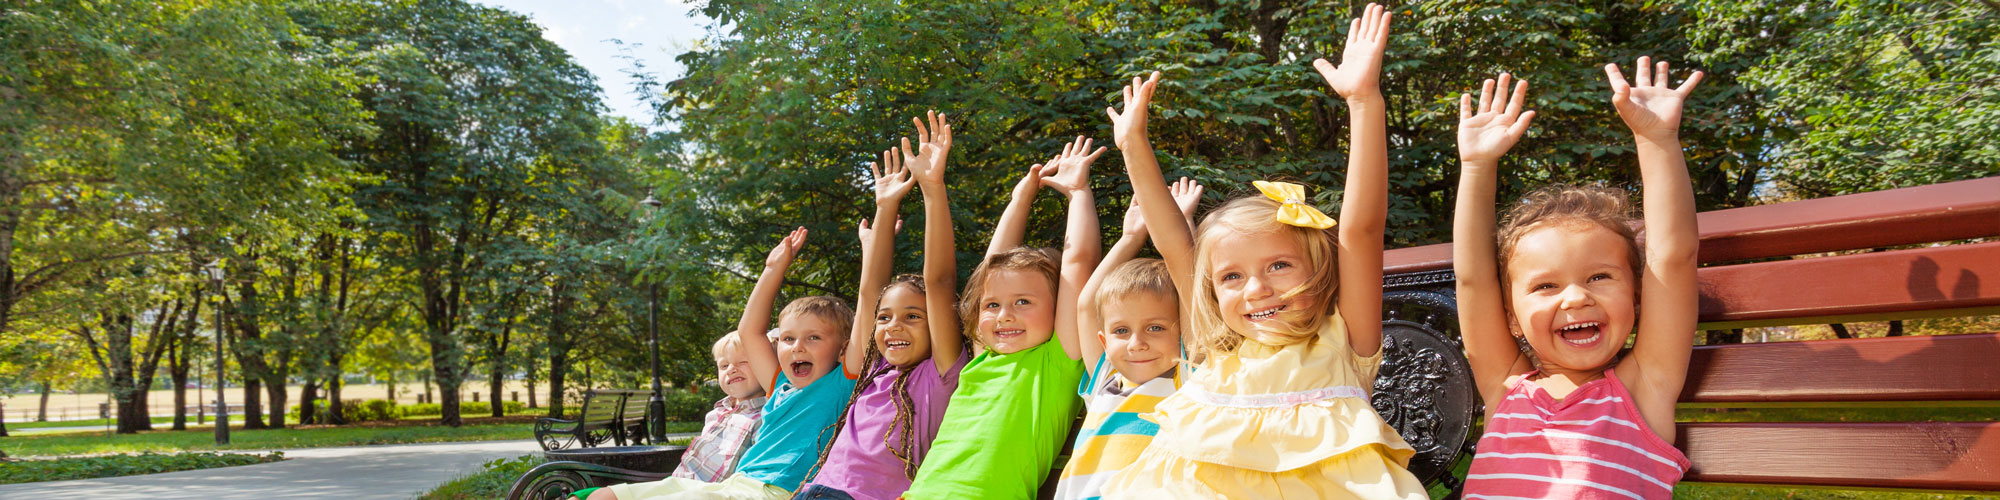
(489, 483)
(352, 410)
(683, 406)
(382, 409)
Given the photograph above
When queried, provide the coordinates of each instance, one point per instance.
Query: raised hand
(1130, 125)
(867, 232)
(892, 179)
(1187, 195)
(1072, 167)
(1135, 221)
(926, 161)
(1487, 132)
(787, 250)
(1650, 107)
(1360, 71)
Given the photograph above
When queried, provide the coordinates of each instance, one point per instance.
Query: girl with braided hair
(906, 361)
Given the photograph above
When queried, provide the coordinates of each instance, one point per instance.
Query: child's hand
(787, 250)
(1072, 167)
(1651, 108)
(868, 232)
(1135, 221)
(926, 161)
(1485, 134)
(892, 179)
(1187, 195)
(1131, 125)
(1360, 70)
(1032, 182)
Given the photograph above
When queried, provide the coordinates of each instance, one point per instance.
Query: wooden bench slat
(1923, 214)
(1939, 212)
(1881, 283)
(1924, 455)
(1919, 368)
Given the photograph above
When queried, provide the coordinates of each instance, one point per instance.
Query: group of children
(1241, 363)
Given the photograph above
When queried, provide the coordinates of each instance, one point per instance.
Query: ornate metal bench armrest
(554, 480)
(546, 424)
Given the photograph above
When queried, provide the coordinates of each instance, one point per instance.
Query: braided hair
(903, 447)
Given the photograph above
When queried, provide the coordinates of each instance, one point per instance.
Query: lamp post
(214, 270)
(656, 408)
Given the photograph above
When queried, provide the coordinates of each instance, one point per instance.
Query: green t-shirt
(1004, 426)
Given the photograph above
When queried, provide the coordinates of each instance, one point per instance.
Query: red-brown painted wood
(1922, 455)
(1920, 368)
(1924, 214)
(1922, 279)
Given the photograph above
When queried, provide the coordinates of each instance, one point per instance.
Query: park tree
(479, 118)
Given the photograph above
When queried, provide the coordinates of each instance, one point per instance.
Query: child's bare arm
(940, 251)
(1149, 188)
(1082, 244)
(1089, 323)
(1485, 135)
(1364, 205)
(878, 250)
(757, 312)
(1187, 197)
(1014, 219)
(1667, 293)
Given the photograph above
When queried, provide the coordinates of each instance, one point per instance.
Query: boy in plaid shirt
(727, 429)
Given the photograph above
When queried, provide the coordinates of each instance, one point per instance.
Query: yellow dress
(1269, 422)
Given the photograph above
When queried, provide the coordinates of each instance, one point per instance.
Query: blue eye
(1231, 276)
(1020, 302)
(1121, 331)
(1280, 265)
(992, 305)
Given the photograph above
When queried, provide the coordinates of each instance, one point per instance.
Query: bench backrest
(1781, 283)
(601, 407)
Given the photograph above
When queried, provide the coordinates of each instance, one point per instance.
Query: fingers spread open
(1687, 87)
(1520, 94)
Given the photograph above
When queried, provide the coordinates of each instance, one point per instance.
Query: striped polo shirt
(1590, 445)
(1114, 431)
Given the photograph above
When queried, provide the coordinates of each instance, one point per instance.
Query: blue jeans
(817, 492)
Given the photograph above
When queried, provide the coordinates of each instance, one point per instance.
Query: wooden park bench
(1763, 269)
(609, 415)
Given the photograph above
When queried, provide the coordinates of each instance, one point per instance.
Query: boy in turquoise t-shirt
(804, 401)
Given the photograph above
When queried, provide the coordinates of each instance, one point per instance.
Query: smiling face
(1017, 310)
(808, 347)
(732, 369)
(1142, 334)
(1572, 294)
(902, 329)
(1251, 273)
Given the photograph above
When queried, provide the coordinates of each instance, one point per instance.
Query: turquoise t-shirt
(1004, 426)
(798, 422)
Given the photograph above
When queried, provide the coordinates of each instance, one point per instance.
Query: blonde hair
(1257, 214)
(728, 341)
(825, 307)
(1138, 276)
(1039, 260)
(1569, 206)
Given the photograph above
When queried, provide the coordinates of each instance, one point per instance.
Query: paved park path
(392, 472)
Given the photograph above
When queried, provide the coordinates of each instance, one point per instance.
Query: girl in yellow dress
(1279, 407)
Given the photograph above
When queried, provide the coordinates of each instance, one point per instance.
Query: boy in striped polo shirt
(1135, 362)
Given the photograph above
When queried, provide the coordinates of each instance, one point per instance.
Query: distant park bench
(609, 415)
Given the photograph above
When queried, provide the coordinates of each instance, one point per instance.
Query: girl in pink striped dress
(1570, 411)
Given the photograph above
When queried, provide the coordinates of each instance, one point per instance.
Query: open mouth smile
(801, 368)
(1582, 334)
(1265, 314)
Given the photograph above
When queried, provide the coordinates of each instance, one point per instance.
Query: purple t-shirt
(861, 463)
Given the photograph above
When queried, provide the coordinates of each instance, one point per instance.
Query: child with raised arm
(907, 359)
(1569, 414)
(1129, 325)
(727, 429)
(804, 400)
(1017, 398)
(1289, 314)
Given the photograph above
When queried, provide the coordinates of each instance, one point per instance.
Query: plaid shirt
(725, 433)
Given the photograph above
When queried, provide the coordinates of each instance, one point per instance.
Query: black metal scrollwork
(1424, 388)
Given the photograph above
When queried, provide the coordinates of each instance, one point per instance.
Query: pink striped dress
(1590, 445)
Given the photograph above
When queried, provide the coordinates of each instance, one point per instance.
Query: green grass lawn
(95, 422)
(63, 469)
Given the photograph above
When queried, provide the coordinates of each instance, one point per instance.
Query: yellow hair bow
(1296, 211)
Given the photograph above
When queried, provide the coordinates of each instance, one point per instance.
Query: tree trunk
(1840, 331)
(528, 375)
(333, 406)
(308, 396)
(253, 403)
(558, 343)
(1895, 329)
(274, 383)
(42, 412)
